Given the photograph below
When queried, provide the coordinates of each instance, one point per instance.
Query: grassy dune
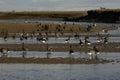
(47, 15)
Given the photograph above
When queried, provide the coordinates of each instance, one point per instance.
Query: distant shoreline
(106, 15)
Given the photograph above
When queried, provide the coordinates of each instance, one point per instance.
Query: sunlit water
(54, 40)
(60, 22)
(37, 54)
(110, 71)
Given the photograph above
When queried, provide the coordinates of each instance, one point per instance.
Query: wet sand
(55, 60)
(12, 27)
(61, 47)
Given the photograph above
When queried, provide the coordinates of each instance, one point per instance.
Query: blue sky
(56, 5)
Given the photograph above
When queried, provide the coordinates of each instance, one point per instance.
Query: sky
(57, 5)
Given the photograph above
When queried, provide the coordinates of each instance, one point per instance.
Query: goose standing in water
(4, 52)
(42, 40)
(24, 50)
(87, 41)
(100, 39)
(67, 40)
(81, 43)
(95, 24)
(71, 52)
(5, 38)
(93, 53)
(14, 36)
(76, 36)
(106, 40)
(49, 49)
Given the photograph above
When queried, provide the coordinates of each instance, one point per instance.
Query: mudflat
(10, 29)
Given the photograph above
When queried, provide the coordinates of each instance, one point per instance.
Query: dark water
(109, 71)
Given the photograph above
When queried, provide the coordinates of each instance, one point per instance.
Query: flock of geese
(93, 52)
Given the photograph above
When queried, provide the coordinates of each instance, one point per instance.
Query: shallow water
(109, 71)
(54, 40)
(37, 54)
(112, 32)
(60, 22)
(60, 71)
